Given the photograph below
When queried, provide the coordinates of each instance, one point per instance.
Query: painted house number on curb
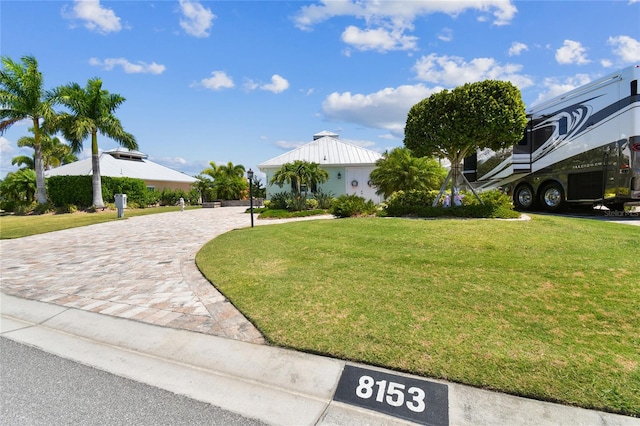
(412, 399)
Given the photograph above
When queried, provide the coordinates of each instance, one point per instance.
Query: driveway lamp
(250, 177)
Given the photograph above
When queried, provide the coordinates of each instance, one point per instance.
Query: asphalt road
(37, 388)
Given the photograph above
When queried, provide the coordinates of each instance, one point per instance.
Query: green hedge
(419, 203)
(78, 190)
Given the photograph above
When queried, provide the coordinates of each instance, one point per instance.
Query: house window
(151, 188)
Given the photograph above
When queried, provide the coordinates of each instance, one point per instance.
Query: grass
(547, 308)
(22, 226)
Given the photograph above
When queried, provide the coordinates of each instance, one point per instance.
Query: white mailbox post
(121, 203)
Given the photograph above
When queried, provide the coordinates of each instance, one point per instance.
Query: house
(348, 166)
(122, 162)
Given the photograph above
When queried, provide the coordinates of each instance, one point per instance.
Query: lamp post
(250, 177)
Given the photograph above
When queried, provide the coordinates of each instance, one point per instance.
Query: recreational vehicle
(582, 147)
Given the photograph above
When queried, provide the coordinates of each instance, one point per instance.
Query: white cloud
(572, 52)
(96, 17)
(606, 63)
(378, 39)
(278, 84)
(128, 67)
(517, 48)
(451, 71)
(555, 87)
(218, 80)
(196, 19)
(625, 47)
(446, 35)
(399, 13)
(386, 22)
(386, 109)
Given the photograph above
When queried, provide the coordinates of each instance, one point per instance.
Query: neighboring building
(133, 164)
(348, 166)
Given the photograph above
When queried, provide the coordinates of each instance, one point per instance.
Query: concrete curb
(275, 385)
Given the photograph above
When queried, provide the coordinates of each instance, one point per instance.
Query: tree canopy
(454, 124)
(399, 169)
(227, 181)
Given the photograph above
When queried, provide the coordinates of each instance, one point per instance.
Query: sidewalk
(126, 297)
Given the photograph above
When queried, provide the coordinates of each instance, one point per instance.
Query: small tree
(300, 174)
(54, 153)
(226, 182)
(399, 170)
(454, 124)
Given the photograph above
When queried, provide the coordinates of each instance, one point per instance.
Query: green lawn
(22, 226)
(547, 308)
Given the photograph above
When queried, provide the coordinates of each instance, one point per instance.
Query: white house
(348, 166)
(133, 164)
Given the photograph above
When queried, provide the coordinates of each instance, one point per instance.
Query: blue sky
(245, 81)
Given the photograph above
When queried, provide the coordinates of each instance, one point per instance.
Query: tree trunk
(40, 182)
(96, 181)
(41, 187)
(457, 179)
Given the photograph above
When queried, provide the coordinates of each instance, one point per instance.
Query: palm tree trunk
(40, 183)
(96, 182)
(41, 188)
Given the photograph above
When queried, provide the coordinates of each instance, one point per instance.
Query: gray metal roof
(326, 150)
(123, 163)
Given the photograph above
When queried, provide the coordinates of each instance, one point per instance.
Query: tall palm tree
(91, 111)
(22, 97)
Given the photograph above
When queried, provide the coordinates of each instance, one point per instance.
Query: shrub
(22, 208)
(279, 201)
(419, 203)
(324, 199)
(67, 208)
(43, 208)
(311, 204)
(78, 190)
(402, 203)
(170, 197)
(351, 205)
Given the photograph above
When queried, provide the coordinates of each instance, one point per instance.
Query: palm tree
(22, 97)
(228, 180)
(92, 111)
(19, 186)
(400, 170)
(54, 152)
(300, 174)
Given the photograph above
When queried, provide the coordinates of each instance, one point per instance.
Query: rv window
(634, 87)
(562, 126)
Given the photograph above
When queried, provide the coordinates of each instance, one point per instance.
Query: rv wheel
(523, 198)
(552, 198)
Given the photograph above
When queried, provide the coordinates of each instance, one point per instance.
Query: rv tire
(524, 198)
(552, 197)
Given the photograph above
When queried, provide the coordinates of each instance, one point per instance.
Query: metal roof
(326, 150)
(122, 163)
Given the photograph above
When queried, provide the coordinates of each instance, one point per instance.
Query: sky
(246, 81)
